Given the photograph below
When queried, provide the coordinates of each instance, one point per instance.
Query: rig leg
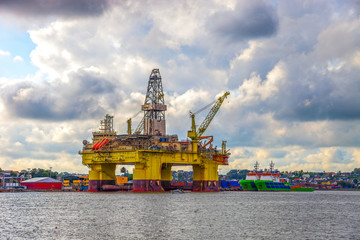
(147, 177)
(101, 174)
(206, 177)
(166, 176)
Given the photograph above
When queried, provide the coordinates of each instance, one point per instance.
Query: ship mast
(272, 166)
(256, 166)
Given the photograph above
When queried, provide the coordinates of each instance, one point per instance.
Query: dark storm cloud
(251, 20)
(321, 108)
(313, 96)
(321, 100)
(77, 98)
(70, 8)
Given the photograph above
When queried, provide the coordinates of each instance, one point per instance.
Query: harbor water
(224, 215)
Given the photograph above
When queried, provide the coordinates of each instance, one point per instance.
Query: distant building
(41, 183)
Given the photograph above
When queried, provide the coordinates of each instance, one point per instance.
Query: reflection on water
(226, 215)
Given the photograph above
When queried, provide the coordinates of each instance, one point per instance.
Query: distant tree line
(39, 172)
(236, 174)
(355, 175)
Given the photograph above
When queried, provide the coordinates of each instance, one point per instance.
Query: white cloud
(254, 90)
(18, 59)
(249, 53)
(64, 162)
(296, 158)
(4, 53)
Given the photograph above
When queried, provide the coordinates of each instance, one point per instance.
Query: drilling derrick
(154, 107)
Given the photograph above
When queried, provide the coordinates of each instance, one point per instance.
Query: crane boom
(196, 134)
(205, 124)
(140, 127)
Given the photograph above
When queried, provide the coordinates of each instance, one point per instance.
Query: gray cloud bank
(69, 8)
(60, 101)
(248, 21)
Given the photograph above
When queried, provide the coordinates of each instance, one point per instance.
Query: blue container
(234, 183)
(224, 184)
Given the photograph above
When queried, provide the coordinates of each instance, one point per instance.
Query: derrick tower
(154, 106)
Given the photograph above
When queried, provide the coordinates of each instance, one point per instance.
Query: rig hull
(147, 186)
(152, 168)
(96, 185)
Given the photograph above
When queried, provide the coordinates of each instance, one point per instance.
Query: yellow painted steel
(102, 171)
(206, 172)
(166, 174)
(147, 157)
(149, 164)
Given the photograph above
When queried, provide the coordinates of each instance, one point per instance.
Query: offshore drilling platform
(152, 151)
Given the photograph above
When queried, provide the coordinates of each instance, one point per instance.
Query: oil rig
(152, 151)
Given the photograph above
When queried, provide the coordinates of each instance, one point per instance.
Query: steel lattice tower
(154, 106)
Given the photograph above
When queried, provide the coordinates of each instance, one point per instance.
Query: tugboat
(270, 180)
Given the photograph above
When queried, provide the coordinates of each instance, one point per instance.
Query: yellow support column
(147, 176)
(206, 177)
(166, 176)
(101, 174)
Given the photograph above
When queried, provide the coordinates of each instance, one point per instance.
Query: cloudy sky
(292, 68)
